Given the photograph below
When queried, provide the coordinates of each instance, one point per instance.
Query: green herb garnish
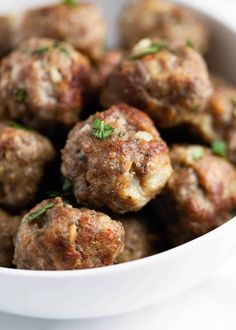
(189, 43)
(20, 95)
(67, 185)
(13, 124)
(101, 130)
(39, 212)
(152, 49)
(40, 51)
(219, 148)
(197, 154)
(69, 2)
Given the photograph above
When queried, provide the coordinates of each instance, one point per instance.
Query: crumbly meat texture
(8, 228)
(218, 122)
(138, 242)
(123, 171)
(157, 18)
(199, 196)
(44, 83)
(82, 25)
(23, 156)
(66, 238)
(169, 84)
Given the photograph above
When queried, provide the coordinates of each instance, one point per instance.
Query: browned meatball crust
(168, 84)
(23, 156)
(8, 228)
(81, 25)
(43, 83)
(218, 122)
(199, 196)
(66, 238)
(163, 19)
(123, 171)
(137, 239)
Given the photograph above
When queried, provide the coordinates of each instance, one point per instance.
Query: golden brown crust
(65, 238)
(168, 85)
(23, 155)
(157, 18)
(122, 172)
(8, 228)
(199, 196)
(54, 79)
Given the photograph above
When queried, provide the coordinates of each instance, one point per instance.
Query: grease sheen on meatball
(82, 25)
(43, 83)
(66, 238)
(8, 228)
(123, 171)
(23, 156)
(199, 196)
(169, 84)
(163, 19)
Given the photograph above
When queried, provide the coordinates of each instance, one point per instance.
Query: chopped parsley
(20, 95)
(13, 124)
(69, 2)
(40, 51)
(197, 153)
(189, 43)
(36, 215)
(101, 130)
(67, 190)
(152, 49)
(219, 148)
(67, 185)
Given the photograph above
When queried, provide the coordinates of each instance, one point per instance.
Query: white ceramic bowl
(126, 287)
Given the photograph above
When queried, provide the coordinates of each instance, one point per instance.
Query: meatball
(218, 122)
(116, 159)
(199, 196)
(138, 242)
(23, 156)
(157, 18)
(104, 68)
(80, 24)
(43, 83)
(168, 83)
(8, 228)
(56, 236)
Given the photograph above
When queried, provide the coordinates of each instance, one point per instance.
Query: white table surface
(209, 306)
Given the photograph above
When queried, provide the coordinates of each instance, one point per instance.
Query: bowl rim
(123, 267)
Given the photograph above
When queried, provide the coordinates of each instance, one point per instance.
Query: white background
(210, 306)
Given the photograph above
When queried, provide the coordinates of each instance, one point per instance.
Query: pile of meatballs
(109, 156)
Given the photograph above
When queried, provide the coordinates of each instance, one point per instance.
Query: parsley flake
(69, 2)
(39, 212)
(14, 124)
(101, 130)
(20, 95)
(40, 51)
(152, 49)
(219, 148)
(197, 153)
(189, 43)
